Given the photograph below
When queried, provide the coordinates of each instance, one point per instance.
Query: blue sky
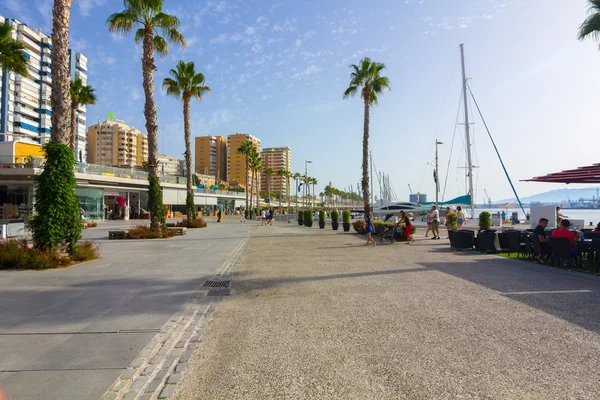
(278, 71)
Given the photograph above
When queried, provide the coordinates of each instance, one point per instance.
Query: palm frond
(123, 21)
(351, 91)
(139, 35)
(590, 27)
(160, 45)
(171, 87)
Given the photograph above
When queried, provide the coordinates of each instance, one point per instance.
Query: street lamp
(304, 191)
(437, 175)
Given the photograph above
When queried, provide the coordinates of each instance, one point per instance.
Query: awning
(589, 174)
(462, 200)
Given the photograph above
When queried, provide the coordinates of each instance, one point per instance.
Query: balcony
(46, 79)
(21, 37)
(21, 110)
(24, 119)
(22, 131)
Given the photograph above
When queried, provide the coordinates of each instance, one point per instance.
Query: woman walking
(428, 223)
(462, 217)
(369, 231)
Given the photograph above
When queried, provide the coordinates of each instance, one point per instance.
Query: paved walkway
(70, 333)
(317, 315)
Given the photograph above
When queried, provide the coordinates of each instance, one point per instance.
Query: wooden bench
(171, 224)
(179, 230)
(118, 234)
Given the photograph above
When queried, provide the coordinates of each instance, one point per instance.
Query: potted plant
(308, 218)
(322, 219)
(300, 218)
(452, 224)
(346, 220)
(334, 220)
(485, 221)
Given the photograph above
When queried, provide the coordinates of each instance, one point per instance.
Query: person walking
(271, 216)
(263, 217)
(462, 217)
(435, 223)
(242, 215)
(369, 231)
(428, 217)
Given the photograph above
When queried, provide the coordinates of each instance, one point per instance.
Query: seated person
(564, 232)
(597, 230)
(540, 231)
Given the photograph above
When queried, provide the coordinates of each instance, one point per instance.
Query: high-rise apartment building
(114, 143)
(236, 162)
(25, 108)
(211, 156)
(169, 165)
(276, 158)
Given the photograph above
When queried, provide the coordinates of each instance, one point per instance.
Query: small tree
(335, 216)
(452, 221)
(322, 216)
(346, 216)
(485, 221)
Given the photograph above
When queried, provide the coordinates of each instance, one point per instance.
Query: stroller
(389, 232)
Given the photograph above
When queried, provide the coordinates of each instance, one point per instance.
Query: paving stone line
(155, 373)
(228, 266)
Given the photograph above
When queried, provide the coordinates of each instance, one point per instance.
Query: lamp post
(437, 175)
(304, 191)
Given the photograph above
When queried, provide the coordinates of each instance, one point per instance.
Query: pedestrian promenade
(71, 333)
(315, 314)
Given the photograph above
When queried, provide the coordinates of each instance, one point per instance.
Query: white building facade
(25, 107)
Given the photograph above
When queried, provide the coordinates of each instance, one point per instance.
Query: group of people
(433, 222)
(267, 216)
(404, 220)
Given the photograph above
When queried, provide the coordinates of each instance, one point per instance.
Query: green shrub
(195, 223)
(155, 201)
(452, 221)
(360, 226)
(308, 215)
(346, 216)
(485, 220)
(301, 215)
(321, 216)
(335, 216)
(56, 221)
(86, 251)
(146, 232)
(17, 254)
(378, 226)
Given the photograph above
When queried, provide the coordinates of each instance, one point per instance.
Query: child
(369, 231)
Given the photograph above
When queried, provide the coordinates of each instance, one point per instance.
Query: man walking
(435, 222)
(271, 215)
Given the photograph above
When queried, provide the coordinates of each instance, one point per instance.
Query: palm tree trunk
(247, 172)
(251, 190)
(157, 217)
(365, 163)
(257, 190)
(287, 185)
(59, 68)
(189, 201)
(73, 134)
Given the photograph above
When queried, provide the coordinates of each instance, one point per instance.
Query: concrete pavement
(70, 333)
(317, 315)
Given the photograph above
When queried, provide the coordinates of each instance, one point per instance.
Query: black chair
(462, 240)
(594, 236)
(561, 249)
(587, 233)
(537, 250)
(513, 241)
(595, 252)
(503, 240)
(488, 241)
(525, 244)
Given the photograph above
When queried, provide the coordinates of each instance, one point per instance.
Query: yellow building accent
(22, 151)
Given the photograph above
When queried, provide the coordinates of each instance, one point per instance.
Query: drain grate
(217, 284)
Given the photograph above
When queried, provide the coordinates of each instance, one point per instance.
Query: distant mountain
(556, 196)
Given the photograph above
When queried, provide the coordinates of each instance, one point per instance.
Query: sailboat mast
(467, 129)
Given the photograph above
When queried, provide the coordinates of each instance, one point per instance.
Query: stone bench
(179, 230)
(118, 234)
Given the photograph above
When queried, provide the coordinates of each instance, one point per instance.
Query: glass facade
(92, 202)
(15, 201)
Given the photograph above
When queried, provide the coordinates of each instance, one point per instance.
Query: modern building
(211, 156)
(25, 108)
(236, 162)
(169, 165)
(114, 143)
(276, 158)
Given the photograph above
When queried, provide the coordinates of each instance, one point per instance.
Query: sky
(278, 70)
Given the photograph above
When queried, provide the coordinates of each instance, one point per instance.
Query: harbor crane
(410, 189)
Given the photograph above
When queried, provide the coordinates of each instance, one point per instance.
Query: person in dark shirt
(540, 232)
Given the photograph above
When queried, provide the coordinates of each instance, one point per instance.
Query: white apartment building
(168, 165)
(25, 108)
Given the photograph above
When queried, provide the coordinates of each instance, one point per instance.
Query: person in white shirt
(435, 222)
(462, 217)
(263, 216)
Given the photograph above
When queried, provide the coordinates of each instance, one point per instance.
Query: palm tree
(313, 182)
(591, 25)
(12, 56)
(80, 95)
(61, 78)
(282, 172)
(268, 172)
(288, 175)
(246, 150)
(187, 84)
(148, 17)
(297, 176)
(367, 75)
(256, 166)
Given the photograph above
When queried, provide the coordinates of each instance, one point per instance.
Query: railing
(20, 162)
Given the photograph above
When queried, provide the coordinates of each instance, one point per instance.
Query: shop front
(124, 204)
